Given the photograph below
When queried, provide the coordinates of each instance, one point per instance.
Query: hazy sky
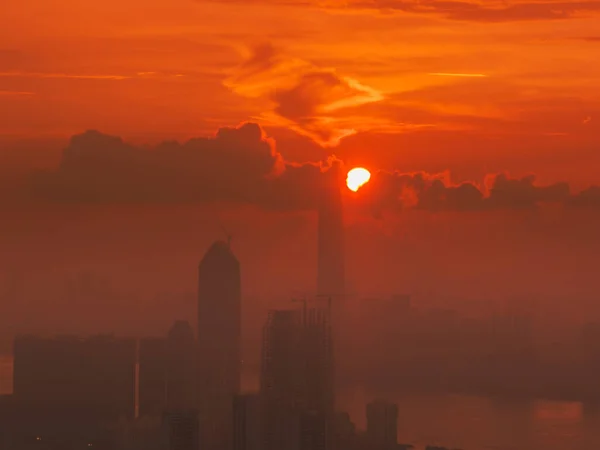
(472, 86)
(426, 94)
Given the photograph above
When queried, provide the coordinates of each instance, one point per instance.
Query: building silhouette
(344, 432)
(181, 430)
(331, 271)
(247, 422)
(181, 382)
(219, 346)
(297, 380)
(67, 390)
(152, 376)
(382, 425)
(64, 376)
(281, 379)
(167, 376)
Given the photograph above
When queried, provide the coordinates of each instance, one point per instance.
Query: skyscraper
(318, 386)
(181, 368)
(219, 346)
(181, 430)
(382, 425)
(331, 272)
(247, 422)
(331, 268)
(281, 379)
(296, 380)
(167, 377)
(152, 376)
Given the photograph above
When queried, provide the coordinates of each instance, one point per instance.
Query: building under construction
(297, 379)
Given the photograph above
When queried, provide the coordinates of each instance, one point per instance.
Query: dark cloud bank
(241, 165)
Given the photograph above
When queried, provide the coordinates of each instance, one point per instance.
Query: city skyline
(299, 225)
(219, 253)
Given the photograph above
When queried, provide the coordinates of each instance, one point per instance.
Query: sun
(357, 177)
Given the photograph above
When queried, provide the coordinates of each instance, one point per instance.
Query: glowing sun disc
(357, 177)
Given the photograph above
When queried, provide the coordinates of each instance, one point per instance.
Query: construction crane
(303, 298)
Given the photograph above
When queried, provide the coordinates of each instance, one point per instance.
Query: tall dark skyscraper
(219, 346)
(247, 422)
(331, 271)
(331, 278)
(296, 380)
(181, 429)
(281, 379)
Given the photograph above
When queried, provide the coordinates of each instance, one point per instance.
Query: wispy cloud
(76, 76)
(463, 10)
(16, 93)
(460, 75)
(62, 75)
(311, 100)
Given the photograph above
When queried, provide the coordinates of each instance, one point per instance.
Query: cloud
(458, 75)
(238, 165)
(241, 165)
(98, 167)
(16, 93)
(474, 11)
(311, 100)
(492, 11)
(510, 193)
(436, 192)
(100, 77)
(589, 198)
(62, 75)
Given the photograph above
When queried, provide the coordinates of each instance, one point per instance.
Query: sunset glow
(173, 212)
(357, 177)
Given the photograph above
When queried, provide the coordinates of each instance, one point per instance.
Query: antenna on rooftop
(228, 235)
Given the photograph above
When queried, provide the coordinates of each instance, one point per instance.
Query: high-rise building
(180, 370)
(344, 432)
(219, 343)
(47, 371)
(318, 360)
(297, 380)
(67, 375)
(318, 386)
(181, 430)
(281, 379)
(382, 425)
(167, 378)
(152, 377)
(110, 365)
(247, 422)
(331, 274)
(331, 255)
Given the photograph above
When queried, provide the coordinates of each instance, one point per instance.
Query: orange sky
(392, 71)
(467, 88)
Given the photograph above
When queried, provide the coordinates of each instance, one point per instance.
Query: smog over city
(300, 225)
